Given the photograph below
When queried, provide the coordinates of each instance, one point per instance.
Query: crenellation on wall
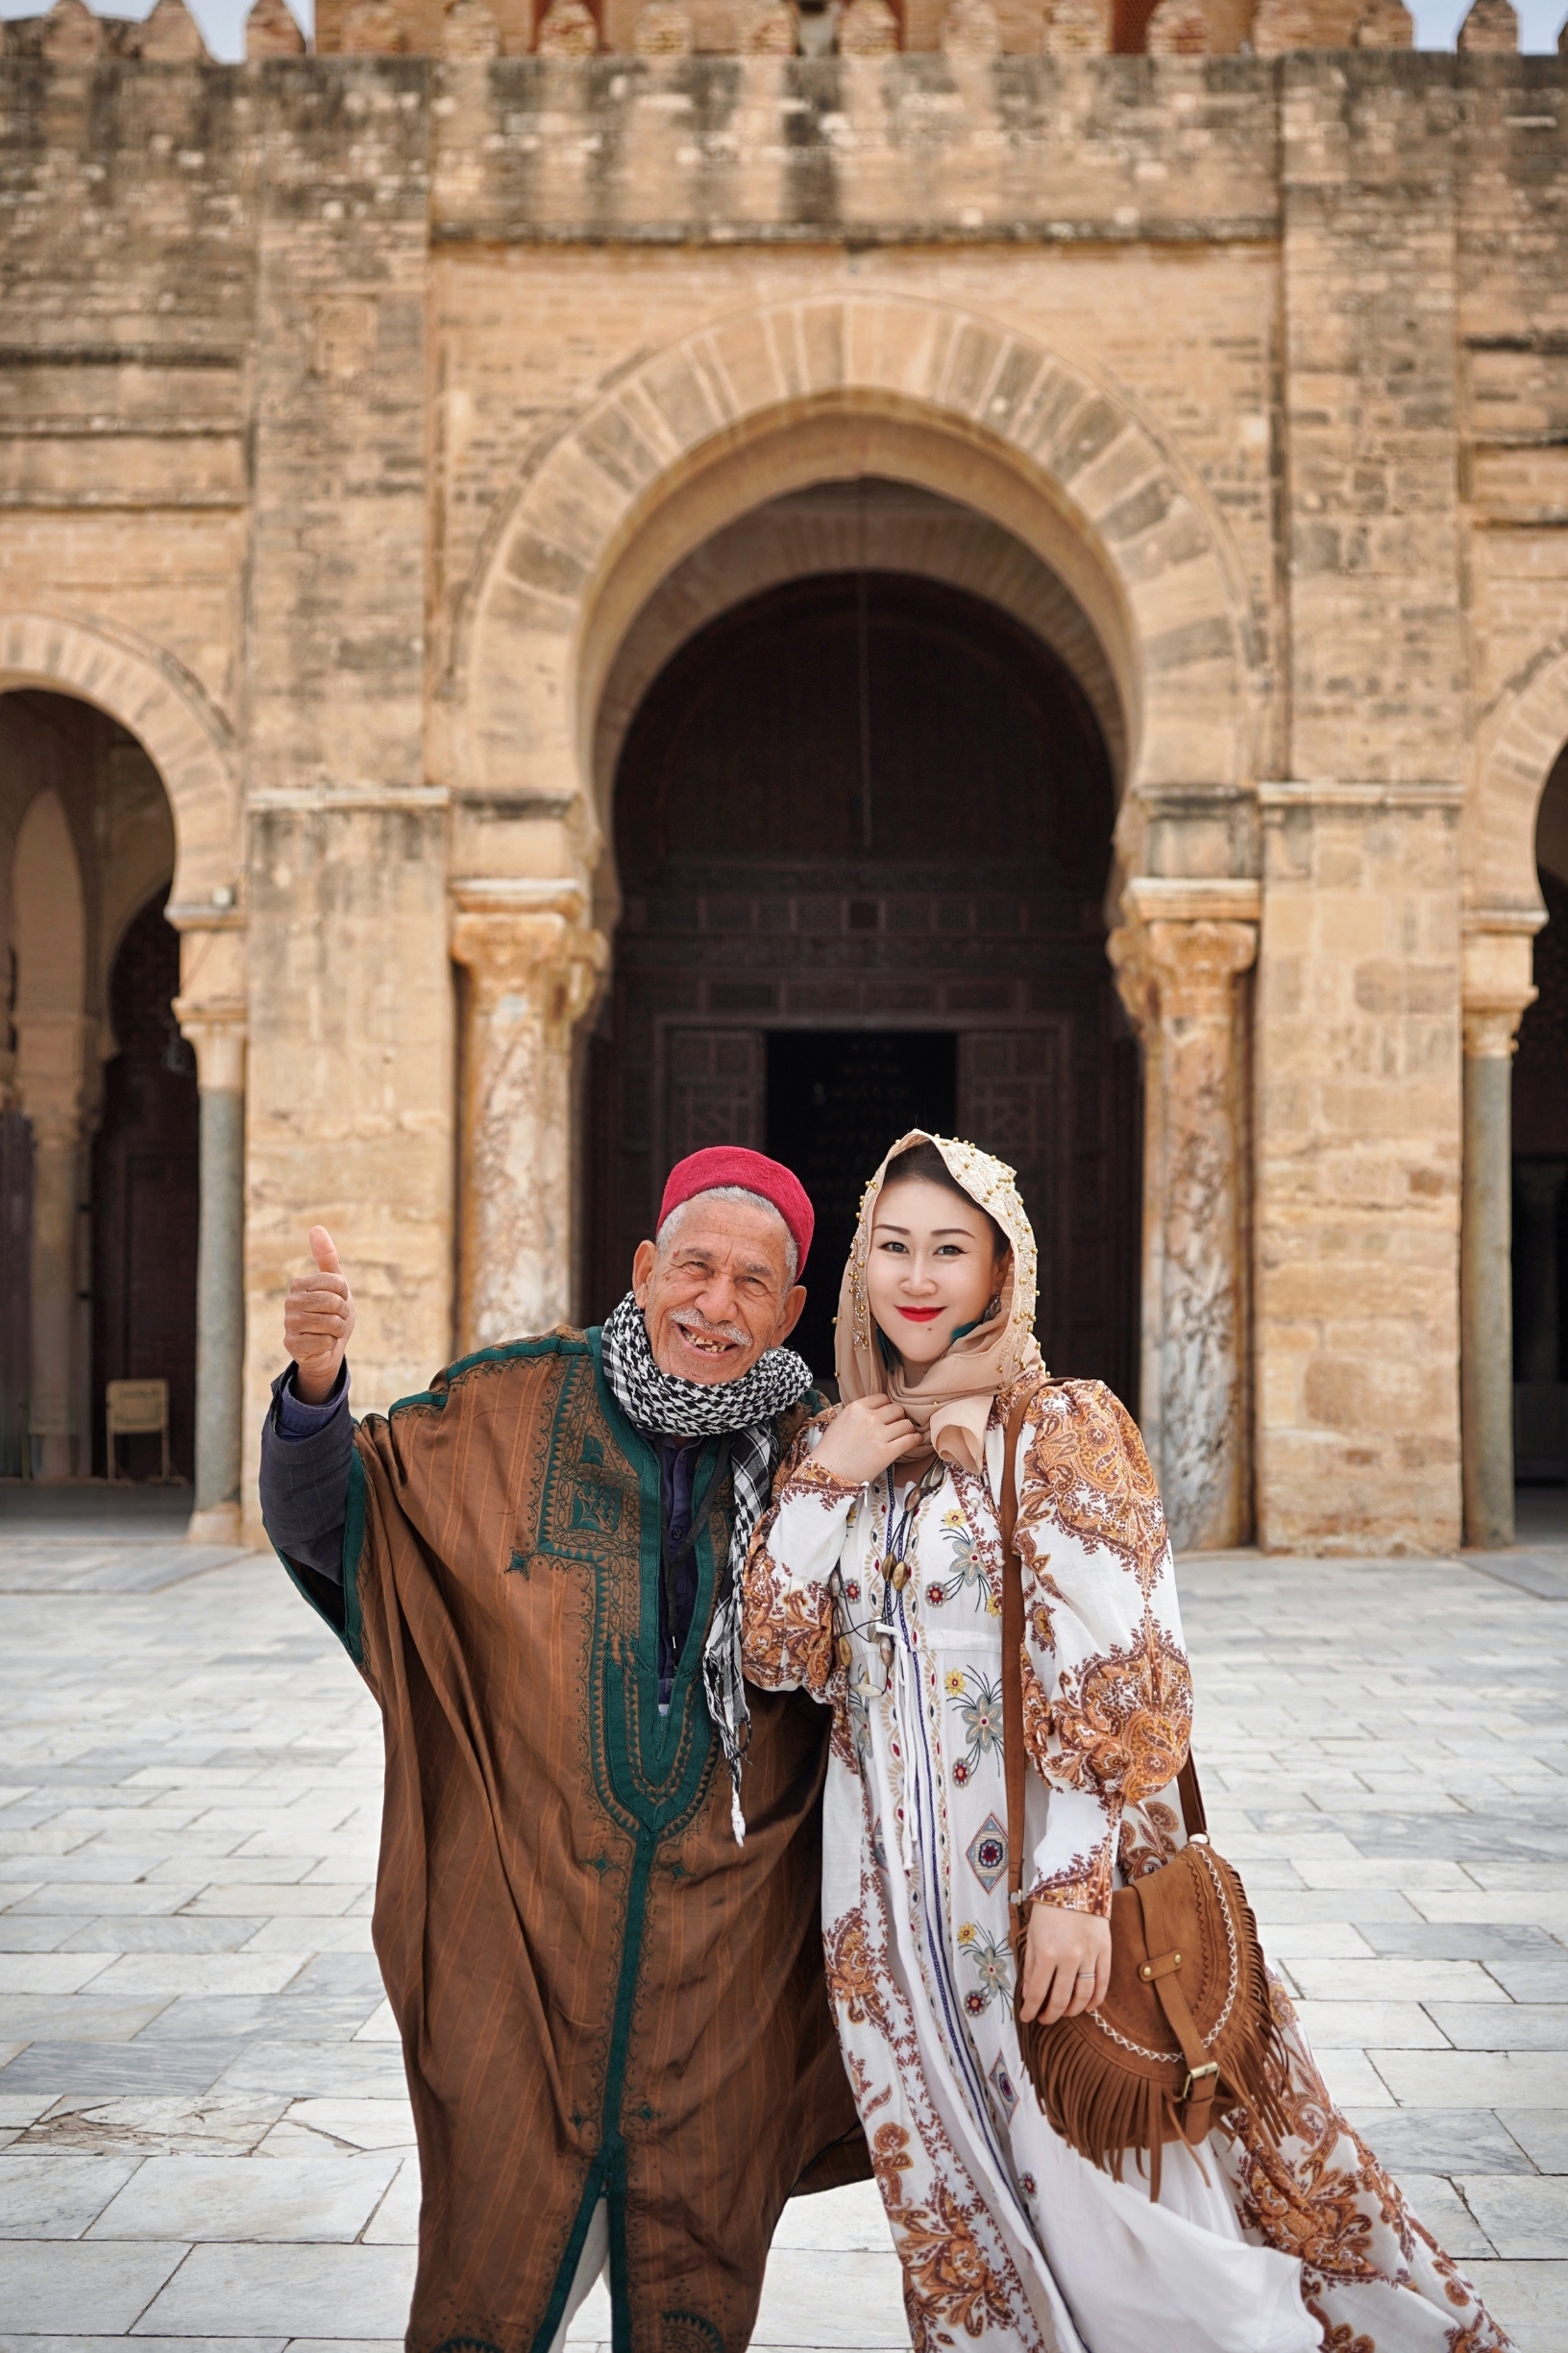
(770, 150)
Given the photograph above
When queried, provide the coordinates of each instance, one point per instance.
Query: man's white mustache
(700, 1326)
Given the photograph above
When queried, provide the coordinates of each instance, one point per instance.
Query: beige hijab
(950, 1400)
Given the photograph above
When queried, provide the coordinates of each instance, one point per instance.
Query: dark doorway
(836, 1100)
(1540, 1189)
(145, 1199)
(855, 815)
(15, 1284)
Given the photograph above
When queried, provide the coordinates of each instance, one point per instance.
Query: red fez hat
(728, 1164)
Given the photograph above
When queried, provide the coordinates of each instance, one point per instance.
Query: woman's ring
(1086, 1973)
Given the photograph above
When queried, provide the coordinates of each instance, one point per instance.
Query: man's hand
(1066, 1964)
(318, 1320)
(866, 1437)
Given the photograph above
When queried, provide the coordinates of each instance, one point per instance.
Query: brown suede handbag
(1186, 1967)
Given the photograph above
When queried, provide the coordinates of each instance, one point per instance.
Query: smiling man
(597, 1907)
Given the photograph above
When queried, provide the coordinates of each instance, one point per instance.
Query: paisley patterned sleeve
(787, 1635)
(1106, 1689)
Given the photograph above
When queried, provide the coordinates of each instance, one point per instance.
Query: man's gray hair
(736, 1192)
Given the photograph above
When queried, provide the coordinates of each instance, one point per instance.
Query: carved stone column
(1178, 960)
(533, 964)
(50, 1061)
(211, 1010)
(57, 1139)
(1497, 990)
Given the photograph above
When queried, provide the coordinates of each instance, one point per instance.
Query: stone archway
(167, 712)
(785, 395)
(1504, 911)
(749, 409)
(191, 745)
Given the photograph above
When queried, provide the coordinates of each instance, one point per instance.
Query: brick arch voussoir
(1526, 746)
(162, 706)
(1144, 518)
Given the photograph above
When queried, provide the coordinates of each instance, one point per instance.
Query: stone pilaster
(1497, 990)
(50, 1061)
(533, 964)
(211, 1010)
(1179, 959)
(55, 1158)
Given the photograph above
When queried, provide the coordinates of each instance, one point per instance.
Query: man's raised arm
(308, 1437)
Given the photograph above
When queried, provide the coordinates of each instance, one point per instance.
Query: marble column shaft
(211, 1010)
(1486, 1277)
(56, 1153)
(1178, 977)
(533, 967)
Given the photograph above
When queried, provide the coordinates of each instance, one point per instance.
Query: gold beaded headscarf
(950, 1399)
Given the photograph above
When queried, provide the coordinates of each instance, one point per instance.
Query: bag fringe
(1108, 2109)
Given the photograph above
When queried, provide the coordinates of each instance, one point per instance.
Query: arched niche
(862, 822)
(154, 699)
(847, 528)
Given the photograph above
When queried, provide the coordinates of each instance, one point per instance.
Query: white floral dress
(1007, 2236)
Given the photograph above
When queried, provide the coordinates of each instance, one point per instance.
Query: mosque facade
(578, 583)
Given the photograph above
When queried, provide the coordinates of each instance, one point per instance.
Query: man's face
(718, 1292)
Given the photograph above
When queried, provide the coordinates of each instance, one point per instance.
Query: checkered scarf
(747, 1412)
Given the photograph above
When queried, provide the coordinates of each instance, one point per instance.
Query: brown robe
(599, 1994)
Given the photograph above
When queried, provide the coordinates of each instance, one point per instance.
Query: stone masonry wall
(280, 345)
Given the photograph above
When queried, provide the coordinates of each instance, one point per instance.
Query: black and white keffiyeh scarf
(744, 1412)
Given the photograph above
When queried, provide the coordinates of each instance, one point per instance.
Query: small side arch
(164, 708)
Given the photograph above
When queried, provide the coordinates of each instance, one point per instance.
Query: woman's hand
(865, 1438)
(1066, 1964)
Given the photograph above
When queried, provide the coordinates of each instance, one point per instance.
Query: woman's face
(932, 1268)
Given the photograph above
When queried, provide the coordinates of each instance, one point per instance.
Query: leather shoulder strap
(1193, 1816)
(1012, 1755)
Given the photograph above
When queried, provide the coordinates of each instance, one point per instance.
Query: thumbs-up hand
(318, 1320)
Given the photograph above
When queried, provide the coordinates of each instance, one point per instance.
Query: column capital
(218, 1035)
(1491, 1032)
(210, 1008)
(1183, 947)
(519, 936)
(1498, 988)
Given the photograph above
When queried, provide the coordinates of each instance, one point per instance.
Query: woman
(874, 1582)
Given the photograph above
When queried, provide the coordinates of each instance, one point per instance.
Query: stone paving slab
(205, 2136)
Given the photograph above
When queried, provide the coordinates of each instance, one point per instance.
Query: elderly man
(597, 1909)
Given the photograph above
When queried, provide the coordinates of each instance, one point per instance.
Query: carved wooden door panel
(715, 1089)
(1009, 1102)
(1059, 1100)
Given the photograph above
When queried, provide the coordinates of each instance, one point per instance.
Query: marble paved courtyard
(204, 2134)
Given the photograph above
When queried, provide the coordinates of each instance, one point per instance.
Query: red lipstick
(921, 1316)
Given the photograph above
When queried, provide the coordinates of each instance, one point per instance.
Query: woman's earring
(994, 1307)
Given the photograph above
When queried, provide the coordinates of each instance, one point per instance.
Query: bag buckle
(1211, 2067)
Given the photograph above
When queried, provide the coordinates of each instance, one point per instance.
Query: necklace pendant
(897, 1572)
(845, 1650)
